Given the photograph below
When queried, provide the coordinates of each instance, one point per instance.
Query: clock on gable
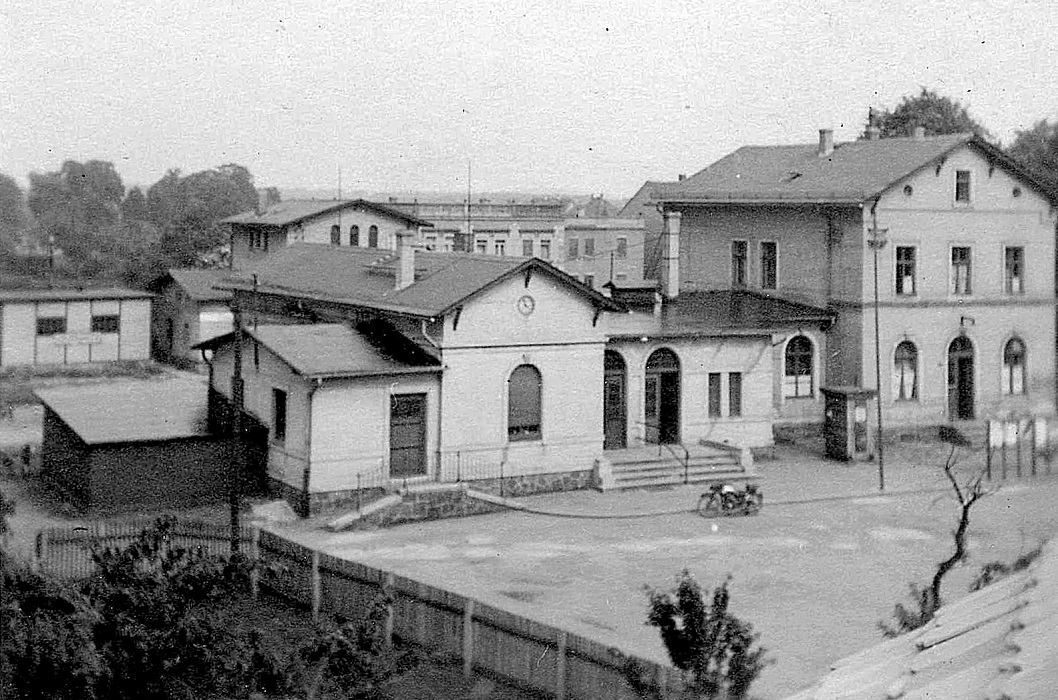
(526, 304)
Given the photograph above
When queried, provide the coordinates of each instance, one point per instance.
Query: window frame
(106, 323)
(715, 395)
(1019, 264)
(60, 326)
(527, 247)
(734, 394)
(545, 249)
(499, 247)
(799, 391)
(336, 234)
(900, 369)
(953, 287)
(963, 187)
(774, 265)
(572, 248)
(280, 405)
(621, 248)
(354, 236)
(589, 247)
(898, 279)
(519, 429)
(589, 281)
(1015, 378)
(372, 236)
(739, 263)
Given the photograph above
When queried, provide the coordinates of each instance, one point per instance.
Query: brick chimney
(826, 142)
(670, 256)
(405, 259)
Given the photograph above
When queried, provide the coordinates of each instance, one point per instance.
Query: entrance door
(662, 398)
(407, 435)
(961, 379)
(614, 407)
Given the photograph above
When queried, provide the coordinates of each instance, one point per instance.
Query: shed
(133, 445)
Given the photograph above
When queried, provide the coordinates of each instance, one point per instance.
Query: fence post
(1018, 437)
(391, 596)
(255, 562)
(42, 549)
(468, 638)
(560, 666)
(315, 585)
(1033, 463)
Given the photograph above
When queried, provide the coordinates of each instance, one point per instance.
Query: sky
(557, 96)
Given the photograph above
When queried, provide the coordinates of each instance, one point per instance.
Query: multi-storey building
(962, 241)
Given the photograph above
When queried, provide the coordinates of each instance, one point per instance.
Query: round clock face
(526, 305)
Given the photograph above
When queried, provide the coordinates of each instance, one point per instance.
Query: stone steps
(631, 470)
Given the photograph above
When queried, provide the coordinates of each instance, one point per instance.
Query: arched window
(354, 235)
(905, 372)
(372, 237)
(797, 378)
(336, 234)
(1014, 367)
(523, 404)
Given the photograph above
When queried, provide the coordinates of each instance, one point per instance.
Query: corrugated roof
(334, 350)
(999, 642)
(720, 312)
(295, 210)
(71, 294)
(131, 411)
(198, 283)
(853, 172)
(365, 277)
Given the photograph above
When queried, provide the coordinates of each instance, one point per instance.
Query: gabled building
(188, 309)
(965, 265)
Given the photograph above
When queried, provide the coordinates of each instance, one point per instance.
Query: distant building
(188, 309)
(73, 326)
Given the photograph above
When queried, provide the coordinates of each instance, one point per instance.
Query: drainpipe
(307, 472)
(440, 395)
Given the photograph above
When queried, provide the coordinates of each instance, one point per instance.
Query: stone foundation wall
(530, 485)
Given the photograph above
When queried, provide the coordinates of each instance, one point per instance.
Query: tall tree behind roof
(932, 111)
(13, 214)
(1037, 149)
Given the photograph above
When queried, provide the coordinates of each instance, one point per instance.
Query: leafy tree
(1037, 149)
(134, 206)
(934, 112)
(13, 212)
(717, 651)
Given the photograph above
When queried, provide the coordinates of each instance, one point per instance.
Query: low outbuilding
(133, 445)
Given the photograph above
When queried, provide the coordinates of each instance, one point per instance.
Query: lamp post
(876, 242)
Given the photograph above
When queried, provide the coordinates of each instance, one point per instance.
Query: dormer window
(962, 186)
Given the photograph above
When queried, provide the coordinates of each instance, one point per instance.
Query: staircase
(651, 466)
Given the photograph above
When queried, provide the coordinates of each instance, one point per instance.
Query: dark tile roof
(71, 294)
(853, 172)
(720, 312)
(295, 210)
(364, 277)
(335, 350)
(197, 283)
(131, 411)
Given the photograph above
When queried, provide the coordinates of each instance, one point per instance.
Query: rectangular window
(545, 250)
(734, 394)
(527, 247)
(501, 247)
(481, 247)
(961, 270)
(51, 326)
(589, 280)
(739, 253)
(279, 415)
(572, 249)
(622, 277)
(905, 270)
(106, 324)
(621, 251)
(769, 265)
(1014, 269)
(589, 247)
(714, 394)
(962, 186)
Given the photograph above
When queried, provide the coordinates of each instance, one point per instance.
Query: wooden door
(407, 435)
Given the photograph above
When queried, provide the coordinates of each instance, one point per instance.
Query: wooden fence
(523, 652)
(1019, 447)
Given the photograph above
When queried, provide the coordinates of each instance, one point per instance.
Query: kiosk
(846, 423)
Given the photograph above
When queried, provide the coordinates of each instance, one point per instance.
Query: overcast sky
(540, 96)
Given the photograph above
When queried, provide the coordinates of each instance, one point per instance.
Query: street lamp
(876, 242)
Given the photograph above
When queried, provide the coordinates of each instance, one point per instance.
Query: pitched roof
(131, 411)
(295, 210)
(720, 312)
(996, 643)
(853, 173)
(373, 348)
(364, 277)
(642, 199)
(71, 294)
(197, 283)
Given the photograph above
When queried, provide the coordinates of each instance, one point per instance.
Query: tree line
(81, 223)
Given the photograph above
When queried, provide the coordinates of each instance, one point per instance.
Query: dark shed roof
(296, 210)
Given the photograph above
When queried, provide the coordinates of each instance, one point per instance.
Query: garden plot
(814, 579)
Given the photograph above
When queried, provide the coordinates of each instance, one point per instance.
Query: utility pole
(236, 467)
(877, 241)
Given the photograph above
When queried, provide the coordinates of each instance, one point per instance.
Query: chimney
(405, 259)
(670, 256)
(918, 133)
(682, 177)
(873, 133)
(826, 142)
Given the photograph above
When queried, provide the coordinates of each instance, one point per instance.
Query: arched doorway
(614, 406)
(961, 379)
(662, 397)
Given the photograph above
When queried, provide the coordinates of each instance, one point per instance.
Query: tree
(715, 650)
(13, 213)
(134, 207)
(926, 600)
(1037, 149)
(934, 112)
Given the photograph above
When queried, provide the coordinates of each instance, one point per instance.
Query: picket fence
(538, 657)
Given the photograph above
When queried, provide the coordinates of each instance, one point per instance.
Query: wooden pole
(316, 588)
(468, 638)
(560, 666)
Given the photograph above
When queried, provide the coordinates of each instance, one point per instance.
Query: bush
(715, 650)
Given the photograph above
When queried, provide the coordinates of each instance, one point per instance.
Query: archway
(614, 401)
(662, 397)
(961, 379)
